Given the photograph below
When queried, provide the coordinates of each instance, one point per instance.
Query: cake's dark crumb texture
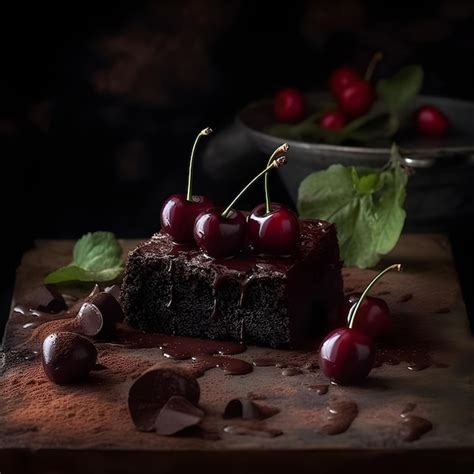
(274, 301)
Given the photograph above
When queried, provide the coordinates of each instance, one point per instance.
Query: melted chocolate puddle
(320, 389)
(205, 353)
(413, 427)
(25, 311)
(416, 357)
(340, 416)
(229, 365)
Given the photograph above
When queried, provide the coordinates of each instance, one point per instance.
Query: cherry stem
(355, 308)
(278, 152)
(189, 194)
(274, 164)
(376, 58)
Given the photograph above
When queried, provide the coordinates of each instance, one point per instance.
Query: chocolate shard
(177, 414)
(46, 298)
(114, 290)
(248, 410)
(99, 314)
(152, 390)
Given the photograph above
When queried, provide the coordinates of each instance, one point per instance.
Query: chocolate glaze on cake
(268, 300)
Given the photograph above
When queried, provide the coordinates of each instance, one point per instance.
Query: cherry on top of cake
(270, 228)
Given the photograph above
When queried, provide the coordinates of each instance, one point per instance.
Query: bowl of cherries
(356, 119)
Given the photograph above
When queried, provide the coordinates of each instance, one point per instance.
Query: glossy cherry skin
(178, 215)
(431, 121)
(275, 233)
(357, 99)
(220, 237)
(289, 105)
(373, 315)
(347, 356)
(340, 78)
(333, 120)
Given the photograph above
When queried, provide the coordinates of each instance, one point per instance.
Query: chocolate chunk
(46, 298)
(177, 414)
(248, 410)
(67, 357)
(114, 290)
(89, 320)
(150, 392)
(99, 314)
(109, 307)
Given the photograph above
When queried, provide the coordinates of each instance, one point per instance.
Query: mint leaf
(399, 90)
(96, 257)
(365, 204)
(391, 214)
(366, 183)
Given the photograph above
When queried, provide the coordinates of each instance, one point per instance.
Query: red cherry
(357, 99)
(289, 105)
(178, 215)
(218, 236)
(276, 232)
(340, 78)
(347, 356)
(333, 120)
(373, 317)
(431, 121)
(222, 233)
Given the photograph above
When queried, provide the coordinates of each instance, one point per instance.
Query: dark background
(100, 102)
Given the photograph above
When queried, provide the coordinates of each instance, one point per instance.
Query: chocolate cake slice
(266, 300)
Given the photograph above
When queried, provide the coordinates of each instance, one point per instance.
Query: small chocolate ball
(67, 357)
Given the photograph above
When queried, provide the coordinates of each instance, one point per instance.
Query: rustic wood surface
(44, 430)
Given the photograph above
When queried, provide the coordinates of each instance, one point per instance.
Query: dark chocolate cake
(267, 300)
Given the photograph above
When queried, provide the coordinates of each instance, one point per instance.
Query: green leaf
(366, 206)
(399, 90)
(96, 257)
(365, 184)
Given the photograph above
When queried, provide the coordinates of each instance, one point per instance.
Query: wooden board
(46, 428)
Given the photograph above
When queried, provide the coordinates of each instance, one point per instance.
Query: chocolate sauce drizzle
(205, 353)
(320, 389)
(413, 427)
(25, 311)
(416, 357)
(340, 415)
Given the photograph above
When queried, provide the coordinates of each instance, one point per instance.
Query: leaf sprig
(365, 204)
(97, 257)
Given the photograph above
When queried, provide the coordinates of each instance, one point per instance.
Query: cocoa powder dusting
(30, 400)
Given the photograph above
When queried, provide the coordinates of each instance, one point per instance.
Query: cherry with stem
(189, 194)
(347, 354)
(222, 233)
(179, 211)
(357, 98)
(272, 227)
(373, 314)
